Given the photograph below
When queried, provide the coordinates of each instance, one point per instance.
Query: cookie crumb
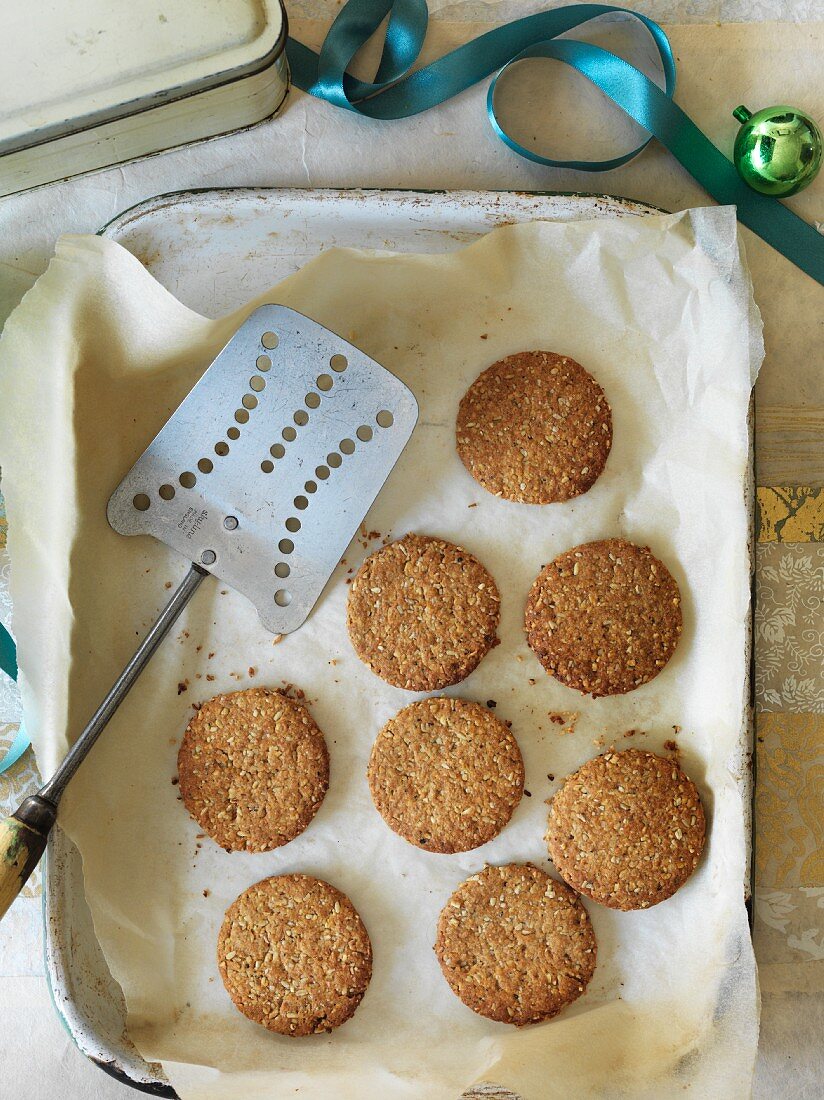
(567, 719)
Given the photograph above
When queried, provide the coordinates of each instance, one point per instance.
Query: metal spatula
(261, 478)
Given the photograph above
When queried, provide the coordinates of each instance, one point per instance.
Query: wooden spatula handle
(23, 839)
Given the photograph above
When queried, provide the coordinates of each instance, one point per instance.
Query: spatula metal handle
(23, 835)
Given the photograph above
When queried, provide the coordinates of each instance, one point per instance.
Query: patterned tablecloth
(789, 801)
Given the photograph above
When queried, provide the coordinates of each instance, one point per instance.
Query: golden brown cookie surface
(515, 945)
(422, 613)
(294, 955)
(604, 617)
(446, 774)
(253, 769)
(535, 427)
(627, 829)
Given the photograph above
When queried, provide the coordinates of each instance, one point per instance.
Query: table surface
(721, 63)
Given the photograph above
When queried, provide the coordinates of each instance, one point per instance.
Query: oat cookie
(604, 617)
(253, 769)
(446, 774)
(422, 613)
(535, 427)
(627, 829)
(294, 955)
(515, 945)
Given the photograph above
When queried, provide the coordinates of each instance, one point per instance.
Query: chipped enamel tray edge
(214, 264)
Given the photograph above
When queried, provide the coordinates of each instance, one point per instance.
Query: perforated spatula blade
(261, 477)
(264, 473)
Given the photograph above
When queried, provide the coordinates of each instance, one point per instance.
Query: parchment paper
(92, 363)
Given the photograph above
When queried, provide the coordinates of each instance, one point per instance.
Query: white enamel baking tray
(214, 250)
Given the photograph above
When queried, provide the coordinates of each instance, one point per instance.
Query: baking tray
(215, 250)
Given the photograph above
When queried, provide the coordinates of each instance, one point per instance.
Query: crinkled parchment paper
(93, 362)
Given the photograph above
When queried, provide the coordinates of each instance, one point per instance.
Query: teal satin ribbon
(8, 663)
(396, 92)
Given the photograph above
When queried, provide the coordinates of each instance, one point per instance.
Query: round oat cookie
(294, 955)
(422, 613)
(535, 427)
(446, 774)
(515, 945)
(627, 829)
(604, 617)
(253, 769)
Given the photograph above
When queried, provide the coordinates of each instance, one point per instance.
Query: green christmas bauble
(778, 150)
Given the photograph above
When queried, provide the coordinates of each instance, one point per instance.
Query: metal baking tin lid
(71, 67)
